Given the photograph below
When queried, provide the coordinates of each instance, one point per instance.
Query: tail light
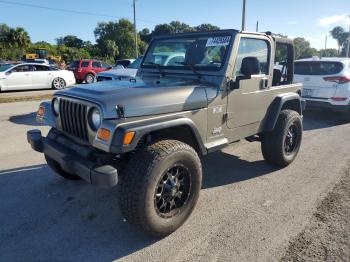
(337, 79)
(80, 70)
(337, 98)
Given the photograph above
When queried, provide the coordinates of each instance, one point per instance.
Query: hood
(141, 98)
(119, 72)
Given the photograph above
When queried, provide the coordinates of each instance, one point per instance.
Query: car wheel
(58, 83)
(89, 78)
(55, 166)
(281, 145)
(160, 187)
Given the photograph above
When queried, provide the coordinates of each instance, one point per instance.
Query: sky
(311, 19)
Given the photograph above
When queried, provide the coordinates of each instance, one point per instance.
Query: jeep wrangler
(194, 93)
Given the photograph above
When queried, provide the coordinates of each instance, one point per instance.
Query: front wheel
(58, 83)
(160, 187)
(281, 145)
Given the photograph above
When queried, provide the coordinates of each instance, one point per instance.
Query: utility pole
(325, 43)
(348, 47)
(257, 26)
(135, 30)
(243, 16)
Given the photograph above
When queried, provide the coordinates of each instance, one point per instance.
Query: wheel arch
(181, 129)
(290, 101)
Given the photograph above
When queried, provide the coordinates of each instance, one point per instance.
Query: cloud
(334, 19)
(292, 23)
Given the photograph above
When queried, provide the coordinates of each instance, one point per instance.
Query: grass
(24, 98)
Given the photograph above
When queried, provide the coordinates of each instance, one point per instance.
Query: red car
(86, 70)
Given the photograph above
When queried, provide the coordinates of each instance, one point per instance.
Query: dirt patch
(24, 98)
(327, 236)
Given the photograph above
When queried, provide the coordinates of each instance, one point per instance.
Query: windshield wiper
(158, 66)
(191, 66)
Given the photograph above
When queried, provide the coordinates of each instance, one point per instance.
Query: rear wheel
(160, 187)
(281, 145)
(58, 170)
(89, 78)
(58, 83)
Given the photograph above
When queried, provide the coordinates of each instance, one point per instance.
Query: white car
(34, 76)
(326, 83)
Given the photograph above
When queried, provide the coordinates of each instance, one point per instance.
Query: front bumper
(312, 104)
(71, 161)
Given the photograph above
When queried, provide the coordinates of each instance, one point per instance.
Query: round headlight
(56, 106)
(95, 118)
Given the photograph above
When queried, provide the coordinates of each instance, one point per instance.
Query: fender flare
(276, 107)
(143, 128)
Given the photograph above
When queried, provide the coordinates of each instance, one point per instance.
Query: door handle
(264, 82)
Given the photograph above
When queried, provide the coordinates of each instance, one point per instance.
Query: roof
(327, 59)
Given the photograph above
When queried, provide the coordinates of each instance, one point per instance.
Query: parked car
(120, 73)
(326, 83)
(34, 76)
(123, 63)
(86, 70)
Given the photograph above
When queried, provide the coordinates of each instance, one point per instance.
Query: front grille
(73, 118)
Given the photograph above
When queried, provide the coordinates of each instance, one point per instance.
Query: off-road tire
(88, 77)
(58, 170)
(141, 178)
(273, 143)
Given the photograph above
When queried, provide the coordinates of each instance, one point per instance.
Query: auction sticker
(218, 41)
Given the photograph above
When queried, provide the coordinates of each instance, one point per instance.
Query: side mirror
(250, 66)
(231, 84)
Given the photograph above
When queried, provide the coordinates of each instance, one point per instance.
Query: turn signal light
(104, 134)
(41, 111)
(128, 137)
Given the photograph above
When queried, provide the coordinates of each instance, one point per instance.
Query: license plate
(308, 92)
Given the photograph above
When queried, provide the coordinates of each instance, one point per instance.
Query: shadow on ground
(316, 119)
(25, 119)
(51, 218)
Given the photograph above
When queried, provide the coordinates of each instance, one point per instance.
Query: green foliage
(329, 52)
(303, 49)
(342, 37)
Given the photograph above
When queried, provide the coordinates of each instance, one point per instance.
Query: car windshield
(136, 64)
(3, 68)
(318, 68)
(199, 52)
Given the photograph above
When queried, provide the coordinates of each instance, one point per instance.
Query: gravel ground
(327, 235)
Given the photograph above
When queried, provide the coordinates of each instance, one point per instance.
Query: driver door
(19, 78)
(246, 106)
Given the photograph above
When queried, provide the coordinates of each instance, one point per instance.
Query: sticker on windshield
(218, 41)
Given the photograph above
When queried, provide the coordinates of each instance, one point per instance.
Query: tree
(70, 41)
(329, 52)
(206, 27)
(342, 37)
(145, 35)
(121, 33)
(18, 37)
(180, 27)
(163, 29)
(303, 49)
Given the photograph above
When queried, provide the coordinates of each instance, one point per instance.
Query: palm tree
(18, 37)
(337, 33)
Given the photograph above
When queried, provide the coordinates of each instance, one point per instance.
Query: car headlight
(95, 118)
(56, 106)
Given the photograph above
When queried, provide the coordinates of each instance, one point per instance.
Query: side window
(85, 64)
(105, 65)
(96, 64)
(40, 68)
(22, 68)
(250, 47)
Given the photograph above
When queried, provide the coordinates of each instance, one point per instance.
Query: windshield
(199, 52)
(3, 68)
(136, 64)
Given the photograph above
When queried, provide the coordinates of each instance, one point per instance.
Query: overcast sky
(305, 18)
